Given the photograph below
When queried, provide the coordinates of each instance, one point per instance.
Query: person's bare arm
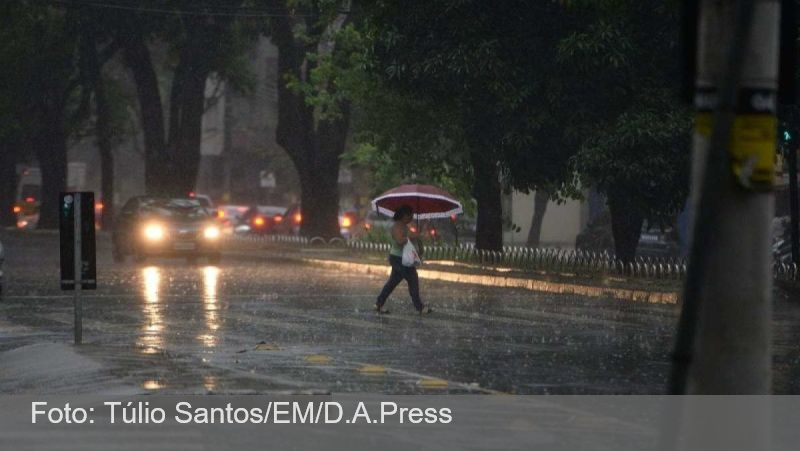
(398, 234)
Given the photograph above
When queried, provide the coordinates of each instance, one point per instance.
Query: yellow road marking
(267, 347)
(318, 359)
(372, 369)
(433, 383)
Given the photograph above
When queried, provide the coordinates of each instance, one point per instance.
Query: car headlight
(211, 232)
(154, 232)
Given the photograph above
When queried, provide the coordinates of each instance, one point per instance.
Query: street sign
(71, 241)
(78, 259)
(267, 179)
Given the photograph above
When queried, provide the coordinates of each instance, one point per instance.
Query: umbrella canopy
(427, 202)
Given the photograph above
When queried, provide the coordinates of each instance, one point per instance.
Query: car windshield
(175, 209)
(271, 210)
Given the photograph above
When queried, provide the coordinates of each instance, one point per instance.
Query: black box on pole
(68, 236)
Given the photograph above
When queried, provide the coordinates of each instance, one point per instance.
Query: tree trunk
(626, 226)
(320, 185)
(157, 164)
(313, 146)
(103, 130)
(186, 123)
(51, 151)
(488, 194)
(540, 201)
(8, 184)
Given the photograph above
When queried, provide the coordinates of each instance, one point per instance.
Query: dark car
(349, 223)
(150, 227)
(263, 219)
(658, 242)
(290, 224)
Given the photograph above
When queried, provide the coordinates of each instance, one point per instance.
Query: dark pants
(400, 272)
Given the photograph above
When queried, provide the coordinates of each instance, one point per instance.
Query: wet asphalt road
(171, 327)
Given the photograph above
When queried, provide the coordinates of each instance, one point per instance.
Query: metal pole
(78, 271)
(793, 205)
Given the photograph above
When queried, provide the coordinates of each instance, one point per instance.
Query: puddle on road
(151, 340)
(153, 385)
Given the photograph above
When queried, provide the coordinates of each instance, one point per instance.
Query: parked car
(149, 227)
(658, 242)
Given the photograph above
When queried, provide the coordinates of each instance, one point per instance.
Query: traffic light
(786, 137)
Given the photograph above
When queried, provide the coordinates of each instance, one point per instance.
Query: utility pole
(723, 342)
(794, 211)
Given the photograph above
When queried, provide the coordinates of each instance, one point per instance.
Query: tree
(105, 128)
(540, 201)
(314, 138)
(11, 122)
(622, 65)
(491, 65)
(39, 108)
(204, 39)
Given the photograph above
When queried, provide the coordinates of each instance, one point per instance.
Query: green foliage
(337, 74)
(634, 134)
(438, 82)
(37, 47)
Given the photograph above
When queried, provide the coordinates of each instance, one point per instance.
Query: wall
(562, 222)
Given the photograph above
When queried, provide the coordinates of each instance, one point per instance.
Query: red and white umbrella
(427, 202)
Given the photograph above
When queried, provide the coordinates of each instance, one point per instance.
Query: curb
(652, 297)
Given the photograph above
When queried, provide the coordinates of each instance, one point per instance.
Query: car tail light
(346, 221)
(30, 199)
(368, 226)
(298, 218)
(221, 214)
(278, 219)
(98, 206)
(259, 221)
(16, 209)
(433, 232)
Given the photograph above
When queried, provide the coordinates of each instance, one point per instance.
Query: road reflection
(210, 383)
(152, 334)
(210, 307)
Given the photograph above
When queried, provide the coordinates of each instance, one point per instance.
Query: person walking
(400, 236)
